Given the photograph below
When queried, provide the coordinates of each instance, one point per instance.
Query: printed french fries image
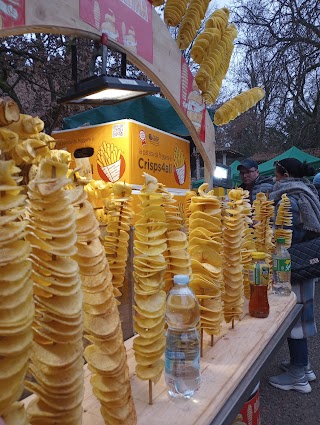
(109, 159)
(179, 165)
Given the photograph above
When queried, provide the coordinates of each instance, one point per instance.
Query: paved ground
(289, 407)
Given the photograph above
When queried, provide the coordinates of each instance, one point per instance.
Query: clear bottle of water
(182, 356)
(281, 269)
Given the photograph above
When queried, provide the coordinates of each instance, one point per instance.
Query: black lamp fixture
(103, 89)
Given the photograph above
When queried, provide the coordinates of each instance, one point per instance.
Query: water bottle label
(259, 274)
(282, 264)
(177, 363)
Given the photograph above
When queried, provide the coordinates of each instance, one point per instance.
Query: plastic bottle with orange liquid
(259, 279)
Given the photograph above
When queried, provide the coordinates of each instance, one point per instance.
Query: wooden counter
(229, 371)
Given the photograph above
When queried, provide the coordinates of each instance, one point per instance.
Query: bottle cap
(182, 279)
(258, 255)
(281, 240)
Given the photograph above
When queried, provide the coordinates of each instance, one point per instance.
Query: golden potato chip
(16, 414)
(148, 372)
(157, 329)
(9, 201)
(147, 322)
(57, 356)
(147, 359)
(102, 326)
(66, 306)
(149, 314)
(151, 303)
(152, 250)
(13, 345)
(114, 398)
(105, 364)
(110, 385)
(14, 252)
(70, 401)
(57, 378)
(122, 414)
(108, 346)
(15, 316)
(11, 394)
(16, 299)
(203, 253)
(11, 288)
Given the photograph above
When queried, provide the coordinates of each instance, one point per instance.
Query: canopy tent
(267, 168)
(150, 110)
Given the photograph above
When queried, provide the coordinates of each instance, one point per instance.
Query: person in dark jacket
(316, 182)
(251, 179)
(305, 207)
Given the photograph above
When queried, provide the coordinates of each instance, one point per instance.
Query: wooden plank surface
(223, 366)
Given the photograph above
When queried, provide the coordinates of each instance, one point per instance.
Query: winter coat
(317, 186)
(261, 184)
(305, 326)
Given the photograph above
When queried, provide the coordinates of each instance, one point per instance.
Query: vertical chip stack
(233, 228)
(106, 356)
(205, 246)
(56, 358)
(149, 268)
(118, 233)
(16, 302)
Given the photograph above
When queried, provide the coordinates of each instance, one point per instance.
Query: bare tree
(280, 44)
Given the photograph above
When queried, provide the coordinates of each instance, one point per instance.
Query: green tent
(235, 176)
(150, 110)
(267, 168)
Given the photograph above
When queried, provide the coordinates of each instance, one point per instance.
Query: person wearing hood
(316, 182)
(305, 206)
(251, 179)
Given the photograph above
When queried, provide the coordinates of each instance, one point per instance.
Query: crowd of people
(291, 178)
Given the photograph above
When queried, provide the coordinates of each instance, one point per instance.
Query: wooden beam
(60, 17)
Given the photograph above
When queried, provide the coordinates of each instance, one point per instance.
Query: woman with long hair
(290, 179)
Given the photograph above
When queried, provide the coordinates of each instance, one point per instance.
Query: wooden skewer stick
(232, 324)
(150, 393)
(212, 341)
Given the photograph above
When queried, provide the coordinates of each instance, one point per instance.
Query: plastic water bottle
(281, 269)
(182, 356)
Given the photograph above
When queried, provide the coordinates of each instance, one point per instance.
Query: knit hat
(316, 179)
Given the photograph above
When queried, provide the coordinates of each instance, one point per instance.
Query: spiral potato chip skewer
(238, 105)
(149, 266)
(191, 22)
(263, 213)
(118, 233)
(174, 11)
(284, 219)
(204, 248)
(234, 219)
(17, 307)
(57, 346)
(106, 356)
(176, 255)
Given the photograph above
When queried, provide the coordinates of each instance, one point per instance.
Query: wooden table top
(223, 366)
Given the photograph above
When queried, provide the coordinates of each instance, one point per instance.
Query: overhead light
(105, 90)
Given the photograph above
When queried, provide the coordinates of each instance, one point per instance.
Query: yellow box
(123, 150)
